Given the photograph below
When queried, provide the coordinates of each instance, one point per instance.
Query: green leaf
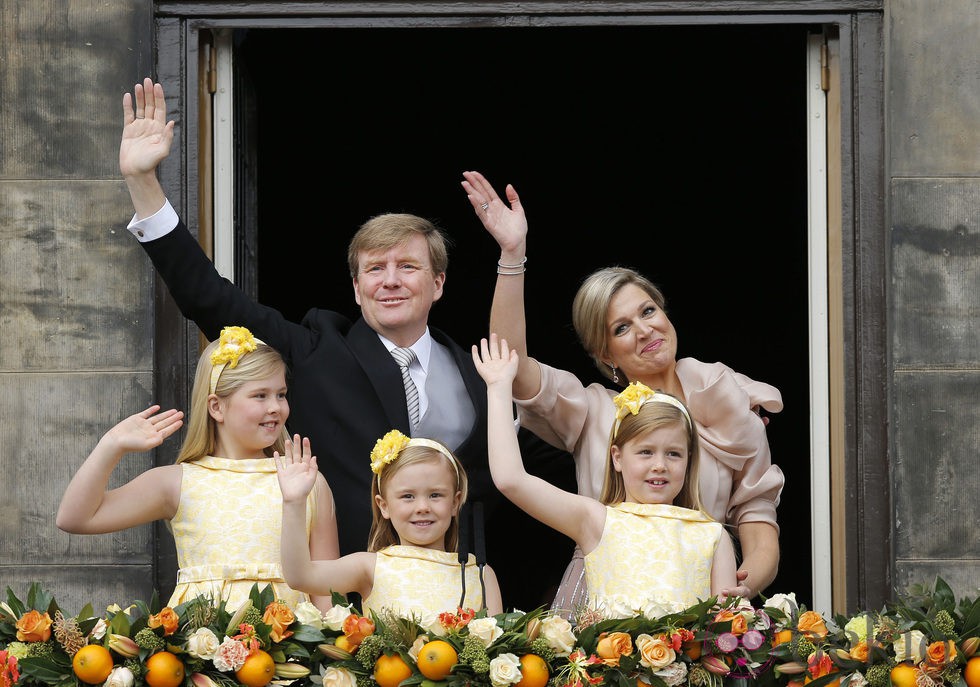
(119, 624)
(945, 599)
(46, 669)
(308, 633)
(971, 619)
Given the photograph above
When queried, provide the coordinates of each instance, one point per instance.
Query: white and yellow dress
(412, 581)
(227, 530)
(653, 557)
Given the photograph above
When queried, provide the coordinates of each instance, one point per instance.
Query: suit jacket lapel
(383, 372)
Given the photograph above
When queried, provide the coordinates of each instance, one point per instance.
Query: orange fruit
(534, 670)
(164, 669)
(436, 659)
(389, 671)
(257, 671)
(782, 637)
(692, 648)
(92, 664)
(971, 672)
(903, 675)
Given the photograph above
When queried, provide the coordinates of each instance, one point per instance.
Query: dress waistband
(237, 571)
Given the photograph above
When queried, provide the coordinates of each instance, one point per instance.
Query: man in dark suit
(346, 390)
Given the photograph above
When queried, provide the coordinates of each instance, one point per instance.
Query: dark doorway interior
(679, 151)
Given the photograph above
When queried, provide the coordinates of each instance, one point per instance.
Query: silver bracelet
(521, 270)
(519, 266)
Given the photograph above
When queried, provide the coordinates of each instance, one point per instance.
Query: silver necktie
(404, 357)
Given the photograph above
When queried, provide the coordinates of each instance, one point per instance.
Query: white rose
(203, 644)
(337, 677)
(505, 670)
(675, 674)
(308, 614)
(335, 617)
(655, 609)
(910, 646)
(783, 602)
(120, 676)
(558, 633)
(857, 680)
(485, 629)
(619, 607)
(428, 621)
(98, 632)
(420, 642)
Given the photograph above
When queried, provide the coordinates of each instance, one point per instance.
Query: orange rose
(812, 625)
(818, 665)
(356, 628)
(167, 618)
(34, 627)
(278, 616)
(940, 653)
(738, 621)
(860, 651)
(612, 645)
(655, 652)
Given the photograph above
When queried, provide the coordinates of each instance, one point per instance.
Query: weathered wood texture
(76, 292)
(934, 289)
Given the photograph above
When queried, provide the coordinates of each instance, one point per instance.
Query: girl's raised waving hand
(88, 507)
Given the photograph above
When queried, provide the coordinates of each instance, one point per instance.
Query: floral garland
(926, 639)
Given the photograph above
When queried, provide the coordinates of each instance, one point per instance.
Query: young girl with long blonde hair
(220, 499)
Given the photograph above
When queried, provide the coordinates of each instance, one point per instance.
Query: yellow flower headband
(635, 396)
(232, 345)
(387, 449)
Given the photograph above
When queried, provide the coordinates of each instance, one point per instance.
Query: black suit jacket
(345, 389)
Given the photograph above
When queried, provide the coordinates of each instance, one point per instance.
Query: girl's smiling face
(250, 419)
(421, 501)
(653, 464)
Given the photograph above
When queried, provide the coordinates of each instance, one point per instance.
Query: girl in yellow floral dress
(411, 567)
(220, 499)
(649, 547)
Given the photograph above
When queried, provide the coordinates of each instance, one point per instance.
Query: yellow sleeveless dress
(412, 581)
(227, 530)
(651, 557)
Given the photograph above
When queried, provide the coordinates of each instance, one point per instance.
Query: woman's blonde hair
(591, 306)
(383, 533)
(202, 431)
(654, 415)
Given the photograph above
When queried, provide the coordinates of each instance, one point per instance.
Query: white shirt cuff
(160, 223)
